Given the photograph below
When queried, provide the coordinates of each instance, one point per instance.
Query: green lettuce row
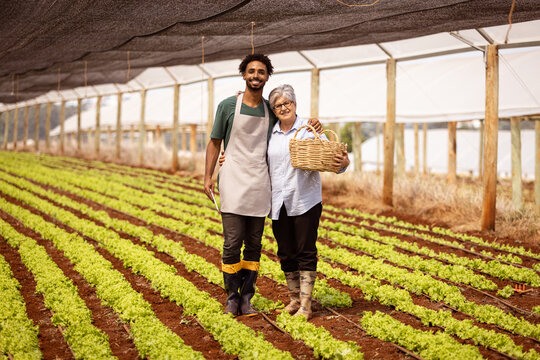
(480, 264)
(193, 182)
(419, 283)
(430, 266)
(151, 337)
(18, 335)
(419, 234)
(234, 337)
(482, 336)
(443, 292)
(318, 338)
(142, 232)
(192, 262)
(209, 212)
(352, 212)
(402, 301)
(429, 346)
(200, 198)
(323, 292)
(438, 291)
(493, 268)
(457, 274)
(438, 230)
(61, 296)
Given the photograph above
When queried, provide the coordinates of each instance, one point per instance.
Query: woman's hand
(222, 158)
(316, 125)
(341, 160)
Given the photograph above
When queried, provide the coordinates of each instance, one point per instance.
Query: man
(244, 123)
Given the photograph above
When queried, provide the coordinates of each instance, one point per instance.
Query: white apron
(244, 182)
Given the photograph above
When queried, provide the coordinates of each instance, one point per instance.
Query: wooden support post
(157, 138)
(424, 149)
(6, 129)
(36, 128)
(15, 127)
(314, 113)
(378, 133)
(119, 134)
(416, 150)
(184, 140)
(62, 119)
(517, 186)
(79, 114)
(490, 139)
(210, 121)
(141, 128)
(357, 145)
(97, 133)
(48, 126)
(25, 125)
(537, 166)
(481, 152)
(109, 135)
(400, 150)
(193, 140)
(174, 132)
(388, 177)
(452, 162)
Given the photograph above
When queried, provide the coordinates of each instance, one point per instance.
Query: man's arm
(212, 153)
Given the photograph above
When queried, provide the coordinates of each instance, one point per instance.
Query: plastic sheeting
(467, 156)
(450, 88)
(440, 89)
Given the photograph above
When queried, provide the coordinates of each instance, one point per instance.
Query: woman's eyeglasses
(286, 104)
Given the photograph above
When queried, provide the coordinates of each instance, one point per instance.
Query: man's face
(256, 75)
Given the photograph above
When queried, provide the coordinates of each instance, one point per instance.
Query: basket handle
(317, 136)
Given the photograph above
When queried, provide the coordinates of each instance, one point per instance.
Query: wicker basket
(315, 154)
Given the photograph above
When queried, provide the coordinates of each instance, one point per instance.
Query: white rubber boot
(307, 281)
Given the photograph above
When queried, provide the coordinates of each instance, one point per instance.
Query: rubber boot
(293, 283)
(232, 280)
(249, 277)
(307, 281)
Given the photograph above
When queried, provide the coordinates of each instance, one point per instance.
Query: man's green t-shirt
(225, 116)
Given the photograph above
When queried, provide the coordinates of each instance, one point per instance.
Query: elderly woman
(296, 202)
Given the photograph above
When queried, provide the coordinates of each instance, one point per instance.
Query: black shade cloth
(39, 36)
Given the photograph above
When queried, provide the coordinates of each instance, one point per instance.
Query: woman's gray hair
(284, 90)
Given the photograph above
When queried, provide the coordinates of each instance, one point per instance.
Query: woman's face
(285, 109)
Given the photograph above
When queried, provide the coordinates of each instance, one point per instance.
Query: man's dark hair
(256, 57)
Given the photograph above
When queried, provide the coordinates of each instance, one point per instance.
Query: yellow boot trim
(231, 268)
(251, 265)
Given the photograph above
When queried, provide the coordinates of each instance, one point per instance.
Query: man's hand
(209, 187)
(212, 153)
(316, 125)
